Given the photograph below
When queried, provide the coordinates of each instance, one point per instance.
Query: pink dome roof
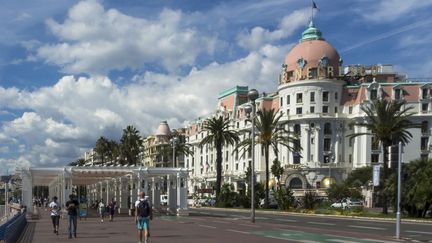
(163, 129)
(312, 51)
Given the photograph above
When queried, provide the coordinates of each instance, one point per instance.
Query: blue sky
(71, 71)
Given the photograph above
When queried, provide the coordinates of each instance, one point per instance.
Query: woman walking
(55, 214)
(102, 209)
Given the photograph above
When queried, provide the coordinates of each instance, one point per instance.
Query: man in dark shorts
(143, 215)
(72, 207)
(112, 206)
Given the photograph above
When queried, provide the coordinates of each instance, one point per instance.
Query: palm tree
(131, 144)
(78, 162)
(181, 148)
(219, 135)
(388, 122)
(270, 132)
(102, 149)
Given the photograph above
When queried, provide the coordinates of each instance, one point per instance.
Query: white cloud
(95, 40)
(258, 36)
(390, 10)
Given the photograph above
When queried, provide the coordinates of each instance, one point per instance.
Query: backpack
(143, 209)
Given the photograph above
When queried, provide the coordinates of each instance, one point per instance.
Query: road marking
(320, 223)
(250, 225)
(419, 232)
(287, 220)
(222, 222)
(382, 241)
(365, 227)
(261, 218)
(308, 241)
(341, 241)
(238, 231)
(207, 226)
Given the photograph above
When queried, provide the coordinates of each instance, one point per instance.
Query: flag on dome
(314, 5)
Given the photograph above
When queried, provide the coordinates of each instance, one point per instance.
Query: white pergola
(123, 183)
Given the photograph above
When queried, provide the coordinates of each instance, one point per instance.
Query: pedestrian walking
(143, 215)
(54, 207)
(112, 206)
(72, 208)
(101, 209)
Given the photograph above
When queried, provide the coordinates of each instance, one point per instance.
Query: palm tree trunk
(218, 169)
(266, 154)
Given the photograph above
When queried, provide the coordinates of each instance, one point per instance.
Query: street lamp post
(253, 95)
(174, 143)
(398, 213)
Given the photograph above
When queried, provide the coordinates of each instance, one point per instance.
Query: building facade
(319, 100)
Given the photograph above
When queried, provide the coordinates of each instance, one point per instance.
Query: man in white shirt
(55, 214)
(143, 215)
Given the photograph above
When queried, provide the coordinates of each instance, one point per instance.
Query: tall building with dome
(320, 100)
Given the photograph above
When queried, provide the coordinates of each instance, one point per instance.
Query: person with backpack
(143, 215)
(55, 214)
(72, 207)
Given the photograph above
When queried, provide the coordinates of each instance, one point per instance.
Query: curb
(274, 212)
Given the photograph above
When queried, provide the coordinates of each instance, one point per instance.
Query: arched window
(296, 183)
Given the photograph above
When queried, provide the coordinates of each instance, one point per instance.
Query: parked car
(347, 204)
(272, 202)
(164, 200)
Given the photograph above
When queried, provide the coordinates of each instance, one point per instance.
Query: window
(312, 109)
(287, 111)
(226, 167)
(299, 111)
(374, 144)
(226, 156)
(350, 158)
(325, 96)
(299, 98)
(238, 124)
(288, 99)
(325, 109)
(297, 130)
(424, 107)
(424, 127)
(350, 110)
(424, 93)
(236, 166)
(350, 142)
(281, 101)
(398, 94)
(424, 143)
(327, 144)
(327, 129)
(312, 97)
(336, 95)
(373, 94)
(375, 158)
(336, 110)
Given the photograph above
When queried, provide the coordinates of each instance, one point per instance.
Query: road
(313, 227)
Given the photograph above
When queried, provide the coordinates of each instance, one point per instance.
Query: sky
(72, 71)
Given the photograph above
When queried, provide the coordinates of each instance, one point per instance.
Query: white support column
(66, 187)
(132, 194)
(172, 193)
(182, 206)
(27, 190)
(156, 193)
(123, 191)
(107, 191)
(100, 192)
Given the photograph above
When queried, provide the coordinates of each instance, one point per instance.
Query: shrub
(310, 200)
(284, 198)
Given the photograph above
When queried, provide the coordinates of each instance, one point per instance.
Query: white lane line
(381, 241)
(320, 223)
(287, 220)
(341, 241)
(221, 222)
(308, 241)
(238, 231)
(419, 232)
(365, 227)
(261, 218)
(207, 226)
(250, 225)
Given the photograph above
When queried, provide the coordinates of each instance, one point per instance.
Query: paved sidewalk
(164, 229)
